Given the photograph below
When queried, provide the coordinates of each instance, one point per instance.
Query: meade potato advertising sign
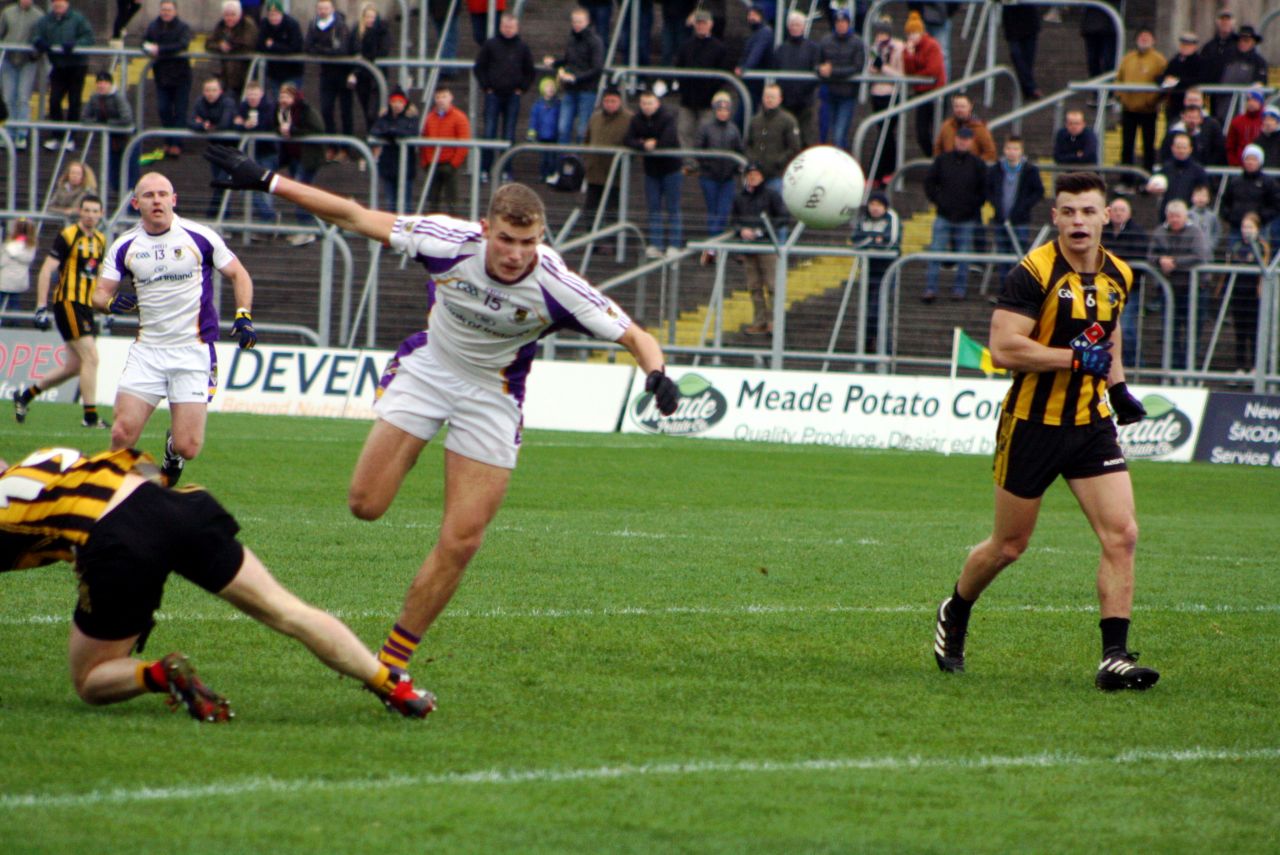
(848, 410)
(874, 411)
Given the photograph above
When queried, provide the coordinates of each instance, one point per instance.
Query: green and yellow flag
(968, 353)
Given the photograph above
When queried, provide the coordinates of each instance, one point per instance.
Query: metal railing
(934, 97)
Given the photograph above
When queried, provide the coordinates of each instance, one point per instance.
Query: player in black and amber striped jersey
(76, 257)
(1057, 327)
(1065, 304)
(126, 533)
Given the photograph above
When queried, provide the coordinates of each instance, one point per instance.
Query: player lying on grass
(494, 290)
(126, 533)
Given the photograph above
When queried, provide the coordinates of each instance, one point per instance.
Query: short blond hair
(518, 205)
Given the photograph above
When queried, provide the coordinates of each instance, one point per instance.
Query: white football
(1157, 184)
(823, 187)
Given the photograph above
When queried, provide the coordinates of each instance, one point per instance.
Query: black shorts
(1030, 455)
(74, 320)
(132, 550)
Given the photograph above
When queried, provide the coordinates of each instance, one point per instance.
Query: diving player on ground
(494, 291)
(125, 534)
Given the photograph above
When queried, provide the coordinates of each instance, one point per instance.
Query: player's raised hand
(664, 391)
(1092, 359)
(122, 304)
(245, 172)
(1128, 409)
(243, 327)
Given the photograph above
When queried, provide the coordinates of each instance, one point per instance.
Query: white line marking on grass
(677, 611)
(910, 763)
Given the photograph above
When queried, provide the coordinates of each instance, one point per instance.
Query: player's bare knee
(1011, 550)
(461, 545)
(81, 683)
(1123, 538)
(188, 447)
(364, 506)
(123, 435)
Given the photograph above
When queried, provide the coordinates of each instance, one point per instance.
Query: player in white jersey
(172, 260)
(494, 291)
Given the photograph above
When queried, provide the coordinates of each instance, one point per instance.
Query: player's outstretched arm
(248, 174)
(648, 353)
(644, 347)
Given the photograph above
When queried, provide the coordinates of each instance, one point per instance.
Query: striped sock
(151, 676)
(90, 414)
(398, 648)
(30, 392)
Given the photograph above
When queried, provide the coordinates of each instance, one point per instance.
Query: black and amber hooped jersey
(80, 255)
(1063, 303)
(50, 500)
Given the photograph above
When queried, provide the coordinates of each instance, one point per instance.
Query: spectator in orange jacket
(962, 117)
(923, 57)
(445, 121)
(1245, 127)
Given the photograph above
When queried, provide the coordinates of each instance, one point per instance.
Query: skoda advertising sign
(1241, 429)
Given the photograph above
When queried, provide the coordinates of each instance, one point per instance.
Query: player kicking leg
(124, 550)
(502, 290)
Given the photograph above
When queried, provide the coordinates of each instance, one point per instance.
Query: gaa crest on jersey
(521, 315)
(177, 253)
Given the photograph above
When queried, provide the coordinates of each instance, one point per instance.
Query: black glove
(68, 47)
(122, 304)
(42, 320)
(664, 391)
(1128, 409)
(245, 172)
(243, 327)
(1092, 359)
(41, 45)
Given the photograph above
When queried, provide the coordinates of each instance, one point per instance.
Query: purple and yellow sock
(398, 649)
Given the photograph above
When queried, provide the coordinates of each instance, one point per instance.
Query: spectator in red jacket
(923, 57)
(479, 10)
(445, 121)
(1245, 127)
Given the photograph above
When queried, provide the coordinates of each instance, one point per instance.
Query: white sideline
(910, 763)
(676, 611)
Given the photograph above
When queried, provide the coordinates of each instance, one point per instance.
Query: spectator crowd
(559, 95)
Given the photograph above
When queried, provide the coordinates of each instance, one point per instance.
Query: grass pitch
(673, 645)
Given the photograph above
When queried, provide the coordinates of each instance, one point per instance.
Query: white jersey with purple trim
(173, 275)
(486, 331)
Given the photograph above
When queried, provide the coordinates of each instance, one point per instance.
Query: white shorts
(422, 396)
(184, 375)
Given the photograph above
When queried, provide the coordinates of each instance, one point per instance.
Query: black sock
(91, 414)
(1115, 635)
(29, 393)
(958, 609)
